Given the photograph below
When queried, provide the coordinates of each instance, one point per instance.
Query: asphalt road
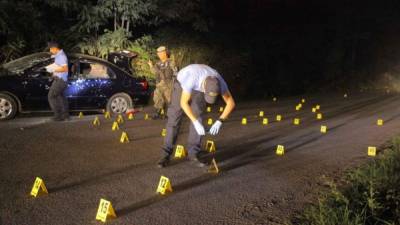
(80, 164)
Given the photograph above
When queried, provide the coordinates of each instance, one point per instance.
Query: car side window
(93, 70)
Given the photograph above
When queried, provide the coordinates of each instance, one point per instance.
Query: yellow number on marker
(210, 146)
(280, 150)
(265, 121)
(261, 114)
(105, 210)
(278, 118)
(319, 116)
(107, 115)
(120, 119)
(210, 121)
(180, 151)
(124, 138)
(96, 121)
(208, 109)
(296, 121)
(379, 122)
(324, 129)
(371, 151)
(213, 167)
(164, 186)
(38, 186)
(244, 121)
(115, 126)
(314, 110)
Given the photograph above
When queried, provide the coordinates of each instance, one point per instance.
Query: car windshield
(18, 66)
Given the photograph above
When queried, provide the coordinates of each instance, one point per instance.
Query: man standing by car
(56, 96)
(196, 85)
(165, 72)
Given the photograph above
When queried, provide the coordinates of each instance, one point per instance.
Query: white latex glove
(199, 128)
(215, 127)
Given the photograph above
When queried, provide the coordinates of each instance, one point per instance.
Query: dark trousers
(57, 99)
(175, 115)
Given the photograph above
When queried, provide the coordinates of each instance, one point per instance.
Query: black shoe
(163, 162)
(196, 161)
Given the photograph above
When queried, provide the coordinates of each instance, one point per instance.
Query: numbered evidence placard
(105, 211)
(164, 186)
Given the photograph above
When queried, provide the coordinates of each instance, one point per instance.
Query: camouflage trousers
(162, 94)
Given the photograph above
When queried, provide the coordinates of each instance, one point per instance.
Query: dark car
(93, 84)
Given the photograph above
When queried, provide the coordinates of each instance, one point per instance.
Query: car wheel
(8, 107)
(119, 103)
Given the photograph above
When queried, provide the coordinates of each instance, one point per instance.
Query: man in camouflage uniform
(165, 73)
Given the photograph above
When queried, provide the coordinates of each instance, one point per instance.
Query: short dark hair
(53, 44)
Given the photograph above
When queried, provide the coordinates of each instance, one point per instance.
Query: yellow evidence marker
(345, 95)
(80, 114)
(296, 121)
(314, 110)
(120, 119)
(96, 121)
(274, 99)
(213, 167)
(244, 121)
(124, 138)
(210, 121)
(261, 114)
(208, 109)
(379, 122)
(371, 151)
(298, 107)
(164, 132)
(221, 109)
(164, 186)
(180, 151)
(303, 100)
(162, 112)
(115, 126)
(280, 150)
(324, 129)
(265, 121)
(146, 116)
(318, 107)
(319, 116)
(38, 186)
(131, 116)
(107, 115)
(105, 210)
(278, 118)
(210, 146)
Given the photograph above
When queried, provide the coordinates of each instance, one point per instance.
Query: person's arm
(185, 99)
(230, 105)
(61, 69)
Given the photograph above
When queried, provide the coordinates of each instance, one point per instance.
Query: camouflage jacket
(165, 70)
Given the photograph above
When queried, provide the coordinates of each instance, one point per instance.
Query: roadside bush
(370, 195)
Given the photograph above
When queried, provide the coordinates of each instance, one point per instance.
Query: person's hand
(150, 63)
(199, 128)
(215, 127)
